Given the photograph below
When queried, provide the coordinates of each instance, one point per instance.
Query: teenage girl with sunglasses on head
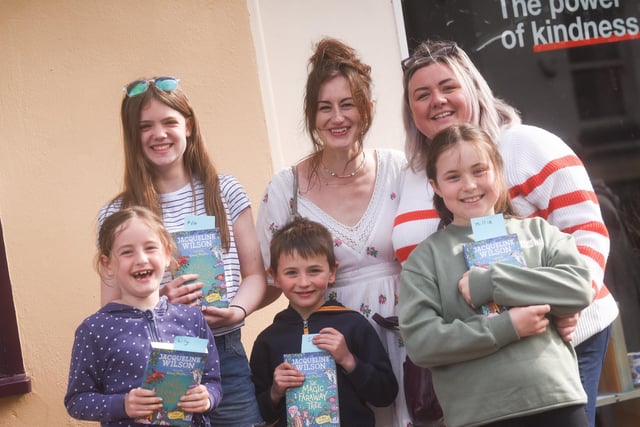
(112, 346)
(508, 370)
(168, 170)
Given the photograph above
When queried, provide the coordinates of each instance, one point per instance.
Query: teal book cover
(485, 252)
(171, 370)
(200, 252)
(315, 402)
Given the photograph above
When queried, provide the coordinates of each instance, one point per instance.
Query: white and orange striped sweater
(545, 178)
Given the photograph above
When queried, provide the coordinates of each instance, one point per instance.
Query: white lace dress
(368, 274)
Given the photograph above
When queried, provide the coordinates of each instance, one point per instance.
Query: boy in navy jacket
(303, 265)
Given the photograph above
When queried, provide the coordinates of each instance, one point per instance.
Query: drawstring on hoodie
(153, 332)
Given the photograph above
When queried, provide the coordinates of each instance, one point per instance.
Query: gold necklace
(349, 175)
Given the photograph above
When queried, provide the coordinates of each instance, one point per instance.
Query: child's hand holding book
(332, 341)
(285, 376)
(141, 403)
(196, 400)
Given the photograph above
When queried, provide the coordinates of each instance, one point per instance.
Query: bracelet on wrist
(241, 308)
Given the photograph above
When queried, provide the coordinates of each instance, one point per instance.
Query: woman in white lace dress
(351, 191)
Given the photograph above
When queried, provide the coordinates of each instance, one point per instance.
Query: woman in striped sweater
(545, 178)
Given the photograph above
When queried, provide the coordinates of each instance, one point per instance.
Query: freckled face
(436, 99)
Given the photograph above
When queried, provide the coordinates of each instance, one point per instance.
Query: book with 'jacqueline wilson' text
(200, 251)
(485, 252)
(172, 369)
(315, 402)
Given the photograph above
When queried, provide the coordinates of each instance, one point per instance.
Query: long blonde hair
(138, 188)
(487, 111)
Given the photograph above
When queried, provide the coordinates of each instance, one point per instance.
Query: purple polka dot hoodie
(110, 353)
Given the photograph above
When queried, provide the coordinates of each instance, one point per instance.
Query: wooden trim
(610, 398)
(13, 379)
(15, 384)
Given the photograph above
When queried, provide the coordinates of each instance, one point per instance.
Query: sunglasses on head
(441, 51)
(137, 87)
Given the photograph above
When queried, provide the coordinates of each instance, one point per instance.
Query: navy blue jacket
(371, 382)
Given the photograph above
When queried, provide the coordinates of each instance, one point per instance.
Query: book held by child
(315, 403)
(200, 252)
(171, 370)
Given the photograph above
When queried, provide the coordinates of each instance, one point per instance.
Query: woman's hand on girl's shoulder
(178, 291)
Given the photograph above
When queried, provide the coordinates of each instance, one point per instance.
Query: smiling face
(467, 182)
(437, 99)
(136, 263)
(163, 135)
(338, 120)
(304, 281)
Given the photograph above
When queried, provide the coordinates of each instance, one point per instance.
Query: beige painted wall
(375, 28)
(64, 63)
